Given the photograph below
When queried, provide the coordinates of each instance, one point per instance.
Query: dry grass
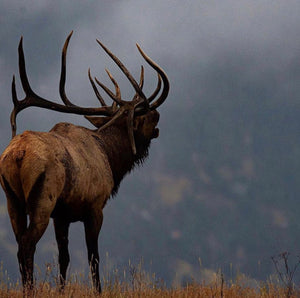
(194, 290)
(135, 282)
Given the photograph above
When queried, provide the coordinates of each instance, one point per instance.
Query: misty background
(220, 189)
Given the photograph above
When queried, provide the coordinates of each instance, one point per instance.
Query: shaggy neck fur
(115, 142)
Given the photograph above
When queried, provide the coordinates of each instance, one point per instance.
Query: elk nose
(156, 116)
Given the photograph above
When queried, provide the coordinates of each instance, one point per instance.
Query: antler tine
(125, 71)
(19, 105)
(141, 84)
(112, 96)
(141, 109)
(15, 110)
(117, 88)
(163, 76)
(156, 91)
(130, 130)
(100, 98)
(62, 81)
(118, 91)
(22, 70)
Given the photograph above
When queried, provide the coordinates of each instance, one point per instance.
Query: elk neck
(115, 142)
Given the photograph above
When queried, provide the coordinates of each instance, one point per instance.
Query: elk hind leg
(61, 228)
(18, 218)
(40, 204)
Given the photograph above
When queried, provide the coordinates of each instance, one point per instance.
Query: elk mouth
(156, 117)
(155, 133)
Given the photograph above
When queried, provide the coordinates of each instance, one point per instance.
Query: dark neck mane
(115, 142)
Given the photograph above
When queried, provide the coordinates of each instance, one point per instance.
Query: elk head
(140, 113)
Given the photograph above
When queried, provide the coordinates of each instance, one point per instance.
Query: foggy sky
(183, 37)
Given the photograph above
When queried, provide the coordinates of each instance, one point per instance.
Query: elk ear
(97, 121)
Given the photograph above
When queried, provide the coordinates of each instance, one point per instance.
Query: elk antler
(138, 105)
(32, 99)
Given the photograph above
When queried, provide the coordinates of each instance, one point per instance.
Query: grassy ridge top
(194, 290)
(134, 281)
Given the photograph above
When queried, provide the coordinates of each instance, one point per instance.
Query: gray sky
(183, 37)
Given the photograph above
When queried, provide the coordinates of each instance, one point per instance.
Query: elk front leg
(92, 227)
(61, 232)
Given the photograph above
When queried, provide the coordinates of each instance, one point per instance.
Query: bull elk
(70, 172)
